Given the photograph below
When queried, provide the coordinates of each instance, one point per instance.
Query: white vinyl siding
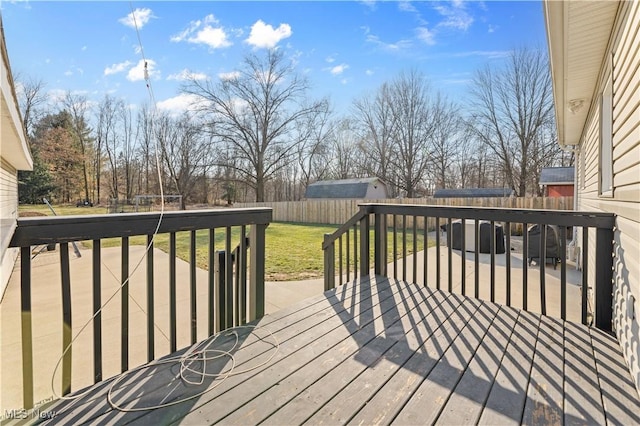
(622, 68)
(8, 216)
(8, 197)
(606, 149)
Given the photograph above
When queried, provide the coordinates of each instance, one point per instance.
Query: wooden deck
(379, 352)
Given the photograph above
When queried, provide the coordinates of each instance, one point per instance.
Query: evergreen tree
(36, 184)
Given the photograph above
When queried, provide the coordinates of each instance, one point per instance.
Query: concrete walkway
(47, 312)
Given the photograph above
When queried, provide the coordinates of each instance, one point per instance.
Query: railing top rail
(330, 238)
(50, 229)
(551, 217)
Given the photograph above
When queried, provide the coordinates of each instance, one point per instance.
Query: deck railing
(235, 292)
(349, 252)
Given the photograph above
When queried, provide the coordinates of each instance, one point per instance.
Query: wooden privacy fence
(339, 211)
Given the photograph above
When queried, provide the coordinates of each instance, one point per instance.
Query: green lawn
(293, 251)
(61, 210)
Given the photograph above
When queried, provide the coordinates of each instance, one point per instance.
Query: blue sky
(346, 48)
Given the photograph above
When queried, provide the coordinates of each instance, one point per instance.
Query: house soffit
(578, 34)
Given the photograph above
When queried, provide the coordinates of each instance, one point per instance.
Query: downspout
(574, 149)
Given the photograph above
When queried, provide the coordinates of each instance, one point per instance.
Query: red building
(557, 181)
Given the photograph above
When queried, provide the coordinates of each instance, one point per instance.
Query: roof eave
(15, 148)
(554, 23)
(564, 20)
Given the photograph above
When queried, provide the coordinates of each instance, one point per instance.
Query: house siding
(622, 62)
(8, 217)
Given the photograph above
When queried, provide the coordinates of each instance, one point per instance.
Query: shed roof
(473, 192)
(557, 176)
(344, 188)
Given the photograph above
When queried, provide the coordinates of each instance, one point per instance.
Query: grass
(61, 210)
(293, 251)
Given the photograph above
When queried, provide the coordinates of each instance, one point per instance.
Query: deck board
(469, 398)
(506, 401)
(311, 398)
(582, 400)
(544, 395)
(382, 351)
(428, 336)
(426, 403)
(389, 400)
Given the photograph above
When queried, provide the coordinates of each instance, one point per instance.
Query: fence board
(339, 211)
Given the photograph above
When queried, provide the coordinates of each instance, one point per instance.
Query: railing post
(220, 288)
(256, 273)
(364, 246)
(380, 244)
(67, 327)
(604, 279)
(329, 264)
(26, 328)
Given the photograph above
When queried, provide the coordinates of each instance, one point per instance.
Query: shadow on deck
(382, 351)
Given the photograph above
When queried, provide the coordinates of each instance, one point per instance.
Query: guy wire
(149, 245)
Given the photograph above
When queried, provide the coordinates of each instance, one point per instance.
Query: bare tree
(108, 140)
(376, 122)
(127, 156)
(32, 98)
(466, 162)
(447, 135)
(185, 153)
(314, 132)
(346, 155)
(146, 148)
(512, 105)
(254, 112)
(413, 130)
(78, 107)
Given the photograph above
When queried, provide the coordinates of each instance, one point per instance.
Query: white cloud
(212, 37)
(180, 103)
(68, 73)
(330, 59)
(455, 17)
(339, 69)
(426, 36)
(84, 48)
(265, 36)
(391, 47)
(139, 17)
(185, 74)
(202, 32)
(228, 75)
(116, 68)
(369, 72)
(406, 6)
(57, 95)
(492, 28)
(137, 72)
